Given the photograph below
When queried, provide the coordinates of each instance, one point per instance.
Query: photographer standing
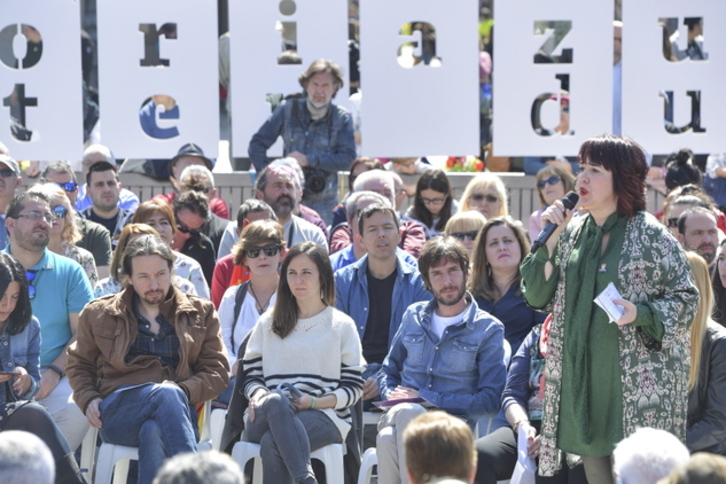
(315, 132)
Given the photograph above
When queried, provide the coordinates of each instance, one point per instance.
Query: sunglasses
(69, 187)
(60, 211)
(7, 173)
(186, 230)
(489, 198)
(553, 180)
(465, 235)
(269, 250)
(31, 288)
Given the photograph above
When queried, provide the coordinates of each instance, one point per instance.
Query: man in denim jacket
(376, 290)
(316, 132)
(446, 351)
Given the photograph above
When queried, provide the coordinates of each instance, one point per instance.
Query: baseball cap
(10, 163)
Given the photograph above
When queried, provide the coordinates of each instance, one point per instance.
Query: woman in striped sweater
(306, 342)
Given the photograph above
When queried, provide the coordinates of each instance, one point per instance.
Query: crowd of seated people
(413, 299)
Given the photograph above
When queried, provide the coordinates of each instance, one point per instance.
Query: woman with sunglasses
(20, 365)
(307, 343)
(465, 226)
(552, 184)
(259, 250)
(159, 215)
(434, 203)
(495, 276)
(113, 285)
(486, 194)
(64, 232)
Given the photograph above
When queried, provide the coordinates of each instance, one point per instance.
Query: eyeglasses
(31, 288)
(432, 201)
(186, 230)
(7, 173)
(37, 216)
(480, 198)
(465, 235)
(69, 187)
(673, 222)
(269, 250)
(553, 180)
(60, 211)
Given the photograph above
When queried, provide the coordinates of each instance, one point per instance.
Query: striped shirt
(321, 356)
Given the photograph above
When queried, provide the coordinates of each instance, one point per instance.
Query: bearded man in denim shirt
(316, 132)
(446, 351)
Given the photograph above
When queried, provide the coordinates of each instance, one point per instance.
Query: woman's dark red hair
(626, 160)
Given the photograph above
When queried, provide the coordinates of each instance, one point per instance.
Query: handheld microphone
(569, 202)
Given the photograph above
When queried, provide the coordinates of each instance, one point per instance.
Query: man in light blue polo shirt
(59, 290)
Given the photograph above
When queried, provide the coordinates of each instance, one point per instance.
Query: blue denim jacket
(22, 350)
(462, 373)
(328, 143)
(351, 293)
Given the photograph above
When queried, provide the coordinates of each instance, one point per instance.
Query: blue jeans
(156, 418)
(287, 437)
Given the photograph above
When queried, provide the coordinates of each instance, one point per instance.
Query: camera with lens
(315, 179)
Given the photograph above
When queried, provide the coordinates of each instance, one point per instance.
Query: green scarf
(577, 327)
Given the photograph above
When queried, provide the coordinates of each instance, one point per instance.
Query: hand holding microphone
(555, 218)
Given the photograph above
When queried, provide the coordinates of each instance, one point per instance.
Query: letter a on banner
(419, 78)
(41, 95)
(553, 84)
(158, 76)
(271, 44)
(681, 102)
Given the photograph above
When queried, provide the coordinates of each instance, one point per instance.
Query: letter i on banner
(419, 78)
(682, 47)
(41, 116)
(271, 44)
(553, 81)
(158, 76)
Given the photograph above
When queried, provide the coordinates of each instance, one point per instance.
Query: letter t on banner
(158, 76)
(681, 101)
(542, 48)
(41, 96)
(419, 78)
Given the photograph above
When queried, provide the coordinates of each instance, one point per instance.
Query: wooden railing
(236, 187)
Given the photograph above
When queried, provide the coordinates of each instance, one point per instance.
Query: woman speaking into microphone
(605, 378)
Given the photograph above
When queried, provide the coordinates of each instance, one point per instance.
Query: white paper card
(526, 467)
(605, 301)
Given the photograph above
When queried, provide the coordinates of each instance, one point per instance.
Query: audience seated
(159, 215)
(103, 188)
(189, 155)
(495, 277)
(434, 202)
(93, 154)
(698, 231)
(438, 445)
(647, 455)
(425, 360)
(191, 211)
(59, 290)
(113, 285)
(200, 179)
(95, 238)
(359, 165)
(166, 345)
(376, 290)
(464, 227)
(487, 194)
(226, 274)
(12, 180)
(552, 184)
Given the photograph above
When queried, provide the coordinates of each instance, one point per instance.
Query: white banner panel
(690, 90)
(259, 32)
(526, 95)
(40, 79)
(420, 88)
(164, 48)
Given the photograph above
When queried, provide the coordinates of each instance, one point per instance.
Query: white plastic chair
(330, 455)
(216, 426)
(118, 456)
(369, 460)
